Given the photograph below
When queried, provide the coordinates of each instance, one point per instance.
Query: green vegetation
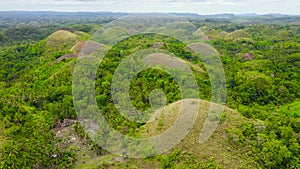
(261, 129)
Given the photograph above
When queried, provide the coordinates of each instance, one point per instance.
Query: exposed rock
(158, 45)
(68, 122)
(248, 56)
(54, 155)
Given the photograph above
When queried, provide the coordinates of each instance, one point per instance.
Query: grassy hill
(62, 40)
(217, 150)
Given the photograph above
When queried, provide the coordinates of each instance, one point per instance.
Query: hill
(217, 150)
(61, 40)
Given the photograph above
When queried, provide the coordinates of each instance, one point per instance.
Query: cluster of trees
(270, 75)
(143, 82)
(273, 143)
(29, 106)
(259, 85)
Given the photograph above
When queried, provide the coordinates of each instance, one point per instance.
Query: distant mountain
(108, 13)
(275, 15)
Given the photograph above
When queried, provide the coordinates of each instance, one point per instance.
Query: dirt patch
(66, 56)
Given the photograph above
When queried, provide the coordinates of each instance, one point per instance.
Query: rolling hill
(39, 126)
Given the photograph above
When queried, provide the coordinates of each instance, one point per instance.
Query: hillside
(217, 151)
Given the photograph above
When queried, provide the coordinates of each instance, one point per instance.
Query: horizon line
(123, 12)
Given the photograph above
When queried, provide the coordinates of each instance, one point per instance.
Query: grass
(292, 109)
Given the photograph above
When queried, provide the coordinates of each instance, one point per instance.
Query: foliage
(261, 63)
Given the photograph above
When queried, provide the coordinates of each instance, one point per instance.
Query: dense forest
(39, 128)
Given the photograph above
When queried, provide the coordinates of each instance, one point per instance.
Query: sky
(190, 6)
